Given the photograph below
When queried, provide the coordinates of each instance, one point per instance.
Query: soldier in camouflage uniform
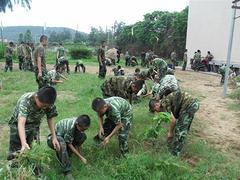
(184, 60)
(28, 58)
(9, 57)
(26, 119)
(53, 77)
(173, 57)
(71, 136)
(119, 117)
(61, 57)
(119, 86)
(168, 83)
(101, 60)
(40, 67)
(182, 108)
(79, 64)
(21, 55)
(222, 69)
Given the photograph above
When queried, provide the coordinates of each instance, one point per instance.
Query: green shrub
(2, 49)
(79, 52)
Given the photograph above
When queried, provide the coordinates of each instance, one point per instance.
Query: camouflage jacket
(21, 50)
(26, 107)
(101, 54)
(66, 128)
(52, 75)
(40, 52)
(177, 102)
(120, 111)
(61, 52)
(168, 84)
(9, 52)
(117, 86)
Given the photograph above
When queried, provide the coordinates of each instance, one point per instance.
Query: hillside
(12, 32)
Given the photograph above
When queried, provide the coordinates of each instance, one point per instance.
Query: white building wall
(209, 29)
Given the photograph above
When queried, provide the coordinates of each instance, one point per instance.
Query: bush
(79, 52)
(2, 49)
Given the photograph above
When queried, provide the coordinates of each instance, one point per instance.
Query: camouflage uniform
(26, 107)
(146, 74)
(40, 52)
(155, 89)
(52, 75)
(222, 69)
(28, 60)
(21, 56)
(183, 107)
(173, 59)
(9, 58)
(102, 63)
(160, 66)
(61, 52)
(117, 86)
(120, 111)
(197, 58)
(167, 85)
(79, 64)
(184, 61)
(67, 133)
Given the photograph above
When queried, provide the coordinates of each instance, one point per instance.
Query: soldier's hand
(56, 144)
(106, 140)
(84, 160)
(25, 147)
(39, 76)
(101, 132)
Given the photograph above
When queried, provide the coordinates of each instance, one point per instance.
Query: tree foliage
(63, 36)
(160, 31)
(8, 4)
(28, 37)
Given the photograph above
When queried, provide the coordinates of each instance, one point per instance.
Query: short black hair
(47, 95)
(139, 84)
(137, 70)
(98, 103)
(151, 105)
(119, 67)
(43, 37)
(11, 43)
(83, 120)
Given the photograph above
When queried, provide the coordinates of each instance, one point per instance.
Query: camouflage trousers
(21, 62)
(64, 154)
(102, 70)
(28, 65)
(123, 133)
(8, 64)
(44, 80)
(184, 65)
(15, 143)
(182, 127)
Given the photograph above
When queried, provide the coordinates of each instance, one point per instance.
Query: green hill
(11, 33)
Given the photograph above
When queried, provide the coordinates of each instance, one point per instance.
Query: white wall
(209, 28)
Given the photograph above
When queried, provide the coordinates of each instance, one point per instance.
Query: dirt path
(220, 125)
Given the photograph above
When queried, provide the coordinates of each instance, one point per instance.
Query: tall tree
(20, 38)
(8, 4)
(28, 37)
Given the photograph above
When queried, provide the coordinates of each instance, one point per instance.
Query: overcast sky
(87, 13)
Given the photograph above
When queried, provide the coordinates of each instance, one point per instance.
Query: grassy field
(148, 159)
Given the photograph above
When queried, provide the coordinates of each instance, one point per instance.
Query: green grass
(147, 159)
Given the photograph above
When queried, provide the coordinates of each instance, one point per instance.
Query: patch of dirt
(221, 125)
